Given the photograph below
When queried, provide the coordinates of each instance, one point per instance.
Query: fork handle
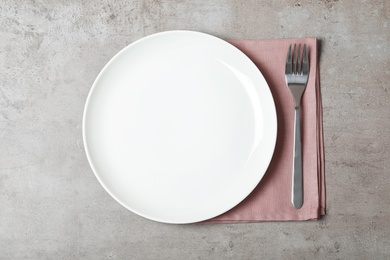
(297, 182)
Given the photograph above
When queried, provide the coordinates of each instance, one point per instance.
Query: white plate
(179, 127)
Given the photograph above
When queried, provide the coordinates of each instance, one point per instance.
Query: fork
(297, 74)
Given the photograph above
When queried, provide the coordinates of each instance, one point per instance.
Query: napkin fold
(271, 199)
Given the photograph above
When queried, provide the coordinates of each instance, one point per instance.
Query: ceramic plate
(179, 127)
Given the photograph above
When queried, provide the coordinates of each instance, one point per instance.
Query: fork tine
(295, 60)
(305, 63)
(289, 61)
(299, 61)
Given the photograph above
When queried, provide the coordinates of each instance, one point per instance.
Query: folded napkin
(271, 199)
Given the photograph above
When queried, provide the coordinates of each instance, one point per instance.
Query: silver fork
(297, 74)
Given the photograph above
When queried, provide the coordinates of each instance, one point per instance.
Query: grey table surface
(51, 204)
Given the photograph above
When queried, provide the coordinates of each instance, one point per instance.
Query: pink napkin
(271, 199)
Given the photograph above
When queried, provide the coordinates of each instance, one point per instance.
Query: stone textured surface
(52, 206)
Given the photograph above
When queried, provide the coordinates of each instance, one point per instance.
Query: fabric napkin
(271, 199)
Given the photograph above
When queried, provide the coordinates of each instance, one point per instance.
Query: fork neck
(297, 91)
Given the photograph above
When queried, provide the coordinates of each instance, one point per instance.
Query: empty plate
(179, 126)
